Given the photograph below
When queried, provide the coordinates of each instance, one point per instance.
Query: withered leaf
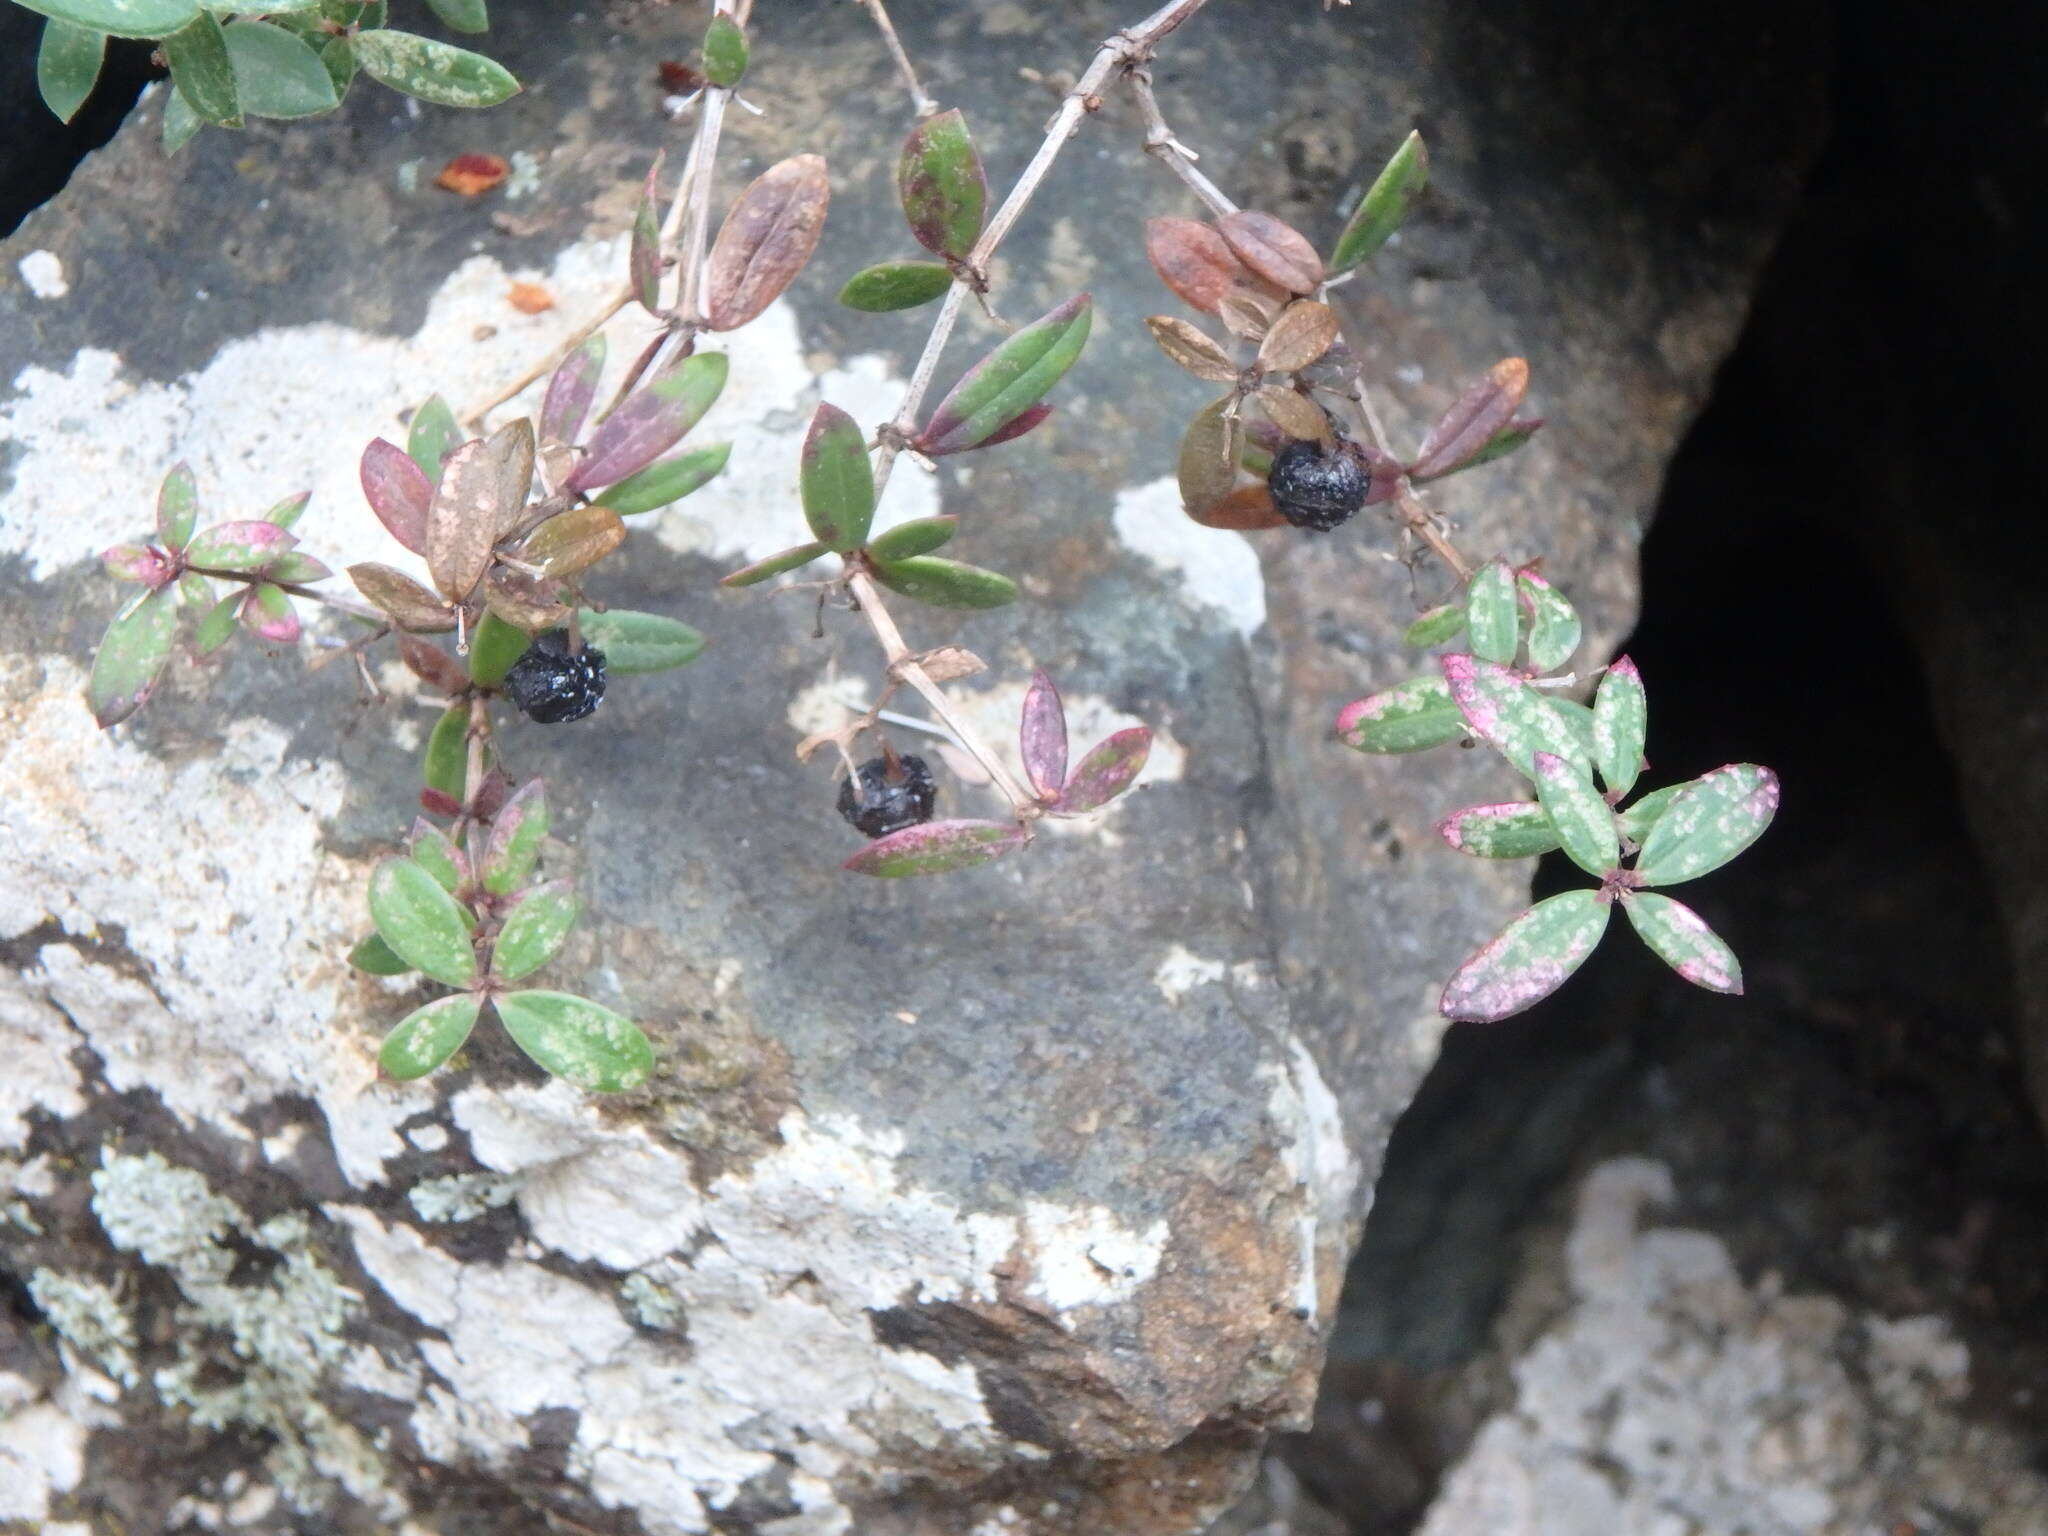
(767, 237)
(522, 601)
(510, 450)
(949, 663)
(571, 542)
(1247, 509)
(1293, 412)
(462, 523)
(432, 665)
(1193, 261)
(1302, 334)
(1248, 312)
(1189, 348)
(1470, 424)
(404, 601)
(1272, 248)
(1208, 456)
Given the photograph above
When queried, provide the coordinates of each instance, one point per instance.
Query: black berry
(879, 801)
(1316, 489)
(553, 684)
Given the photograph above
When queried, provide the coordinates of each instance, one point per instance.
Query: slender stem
(1168, 150)
(924, 104)
(333, 600)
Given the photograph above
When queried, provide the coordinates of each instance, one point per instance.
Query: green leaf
(177, 507)
(578, 1040)
(438, 72)
(430, 437)
(447, 760)
(1577, 721)
(1385, 204)
(945, 194)
(195, 591)
(267, 613)
(937, 848)
(1498, 446)
(1709, 822)
(837, 480)
(277, 74)
(242, 546)
(639, 642)
(1638, 819)
(202, 72)
(428, 1036)
(421, 922)
(1010, 380)
(1492, 616)
(1514, 719)
(919, 536)
(643, 259)
(725, 51)
(517, 832)
(1584, 824)
(180, 123)
(946, 583)
(287, 512)
(462, 15)
(890, 285)
(651, 421)
(68, 66)
(668, 481)
(1554, 628)
(435, 852)
(1621, 724)
(1512, 829)
(1680, 937)
(1530, 959)
(218, 626)
(338, 58)
(535, 929)
(374, 957)
(1410, 717)
(493, 649)
(1435, 627)
(774, 565)
(132, 654)
(122, 18)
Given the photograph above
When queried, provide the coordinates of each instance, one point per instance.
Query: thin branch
(924, 104)
(333, 600)
(1168, 150)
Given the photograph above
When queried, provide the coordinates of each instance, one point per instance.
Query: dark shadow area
(37, 152)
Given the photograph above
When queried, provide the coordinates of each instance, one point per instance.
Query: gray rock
(1014, 1202)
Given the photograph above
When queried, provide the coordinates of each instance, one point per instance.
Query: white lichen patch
(91, 1320)
(1086, 1257)
(1182, 970)
(39, 1071)
(43, 272)
(1326, 1174)
(461, 1196)
(1217, 567)
(42, 1454)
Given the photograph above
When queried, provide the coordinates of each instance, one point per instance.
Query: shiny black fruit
(1319, 489)
(553, 684)
(879, 800)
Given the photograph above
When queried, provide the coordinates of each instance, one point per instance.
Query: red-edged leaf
(570, 391)
(1010, 380)
(177, 507)
(1194, 261)
(399, 492)
(652, 421)
(267, 613)
(138, 562)
(1514, 719)
(767, 237)
(1680, 937)
(943, 189)
(1042, 737)
(937, 848)
(1530, 959)
(1463, 431)
(1510, 829)
(132, 655)
(246, 546)
(1105, 772)
(1022, 423)
(516, 834)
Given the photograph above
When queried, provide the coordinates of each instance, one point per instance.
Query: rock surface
(1014, 1203)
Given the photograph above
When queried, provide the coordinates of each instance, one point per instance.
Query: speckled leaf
(571, 542)
(1273, 249)
(1466, 428)
(643, 258)
(516, 834)
(433, 71)
(194, 590)
(1709, 822)
(435, 852)
(535, 929)
(668, 481)
(652, 420)
(1302, 334)
(1635, 822)
(1110, 768)
(1385, 204)
(1208, 456)
(132, 654)
(1554, 628)
(1585, 825)
(495, 646)
(409, 605)
(940, 181)
(1193, 261)
(1621, 725)
(946, 583)
(425, 1038)
(121, 18)
(1247, 509)
(892, 285)
(1680, 937)
(398, 490)
(288, 511)
(761, 570)
(571, 388)
(445, 766)
(1010, 380)
(68, 66)
(1042, 737)
(462, 15)
(836, 480)
(1577, 720)
(1511, 829)
(374, 957)
(431, 435)
(1530, 959)
(245, 546)
(937, 848)
(177, 507)
(462, 522)
(277, 74)
(1435, 626)
(218, 626)
(1410, 717)
(421, 922)
(766, 239)
(136, 562)
(1505, 712)
(1189, 347)
(267, 614)
(920, 536)
(201, 71)
(577, 1040)
(639, 642)
(724, 52)
(1492, 616)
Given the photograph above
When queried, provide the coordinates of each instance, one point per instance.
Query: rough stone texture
(1015, 1203)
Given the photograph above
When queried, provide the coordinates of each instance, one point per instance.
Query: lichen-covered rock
(1015, 1202)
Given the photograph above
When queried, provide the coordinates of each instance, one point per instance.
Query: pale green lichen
(91, 1319)
(654, 1304)
(461, 1196)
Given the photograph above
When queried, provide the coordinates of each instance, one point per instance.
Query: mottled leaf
(1502, 710)
(409, 605)
(219, 624)
(197, 54)
(1435, 626)
(643, 259)
(398, 491)
(122, 18)
(639, 642)
(940, 181)
(652, 420)
(1530, 959)
(432, 434)
(1680, 937)
(1273, 249)
(462, 522)
(267, 613)
(516, 834)
(1470, 423)
(462, 15)
(1193, 260)
(1585, 825)
(495, 646)
(1635, 822)
(194, 590)
(1302, 334)
(766, 239)
(946, 583)
(1042, 737)
(132, 654)
(534, 930)
(1511, 829)
(374, 957)
(1384, 206)
(1188, 347)
(1110, 768)
(136, 562)
(837, 480)
(1010, 380)
(435, 852)
(287, 512)
(1493, 618)
(1409, 717)
(1208, 456)
(774, 565)
(1709, 822)
(725, 51)
(1577, 720)
(571, 542)
(244, 546)
(527, 603)
(446, 764)
(577, 1040)
(1554, 629)
(937, 848)
(433, 71)
(68, 66)
(892, 285)
(425, 1038)
(1621, 725)
(668, 481)
(421, 922)
(571, 388)
(277, 74)
(177, 507)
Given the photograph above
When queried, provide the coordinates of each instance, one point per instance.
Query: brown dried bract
(472, 175)
(767, 237)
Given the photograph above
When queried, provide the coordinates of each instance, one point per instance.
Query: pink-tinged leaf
(1507, 714)
(267, 613)
(1530, 959)
(177, 507)
(534, 929)
(1499, 446)
(399, 492)
(516, 833)
(1023, 423)
(1194, 261)
(435, 852)
(246, 546)
(1584, 823)
(1273, 249)
(287, 512)
(1511, 829)
(643, 261)
(404, 601)
(1680, 937)
(1042, 737)
(1463, 431)
(1010, 380)
(937, 848)
(138, 562)
(652, 420)
(1106, 772)
(438, 802)
(1409, 717)
(132, 655)
(1621, 723)
(766, 239)
(570, 391)
(1554, 627)
(1709, 822)
(940, 180)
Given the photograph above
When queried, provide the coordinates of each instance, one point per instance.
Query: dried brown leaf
(1247, 509)
(1293, 412)
(767, 237)
(949, 663)
(404, 601)
(1302, 334)
(1209, 454)
(1273, 249)
(1189, 348)
(571, 542)
(522, 601)
(1248, 312)
(1193, 261)
(432, 665)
